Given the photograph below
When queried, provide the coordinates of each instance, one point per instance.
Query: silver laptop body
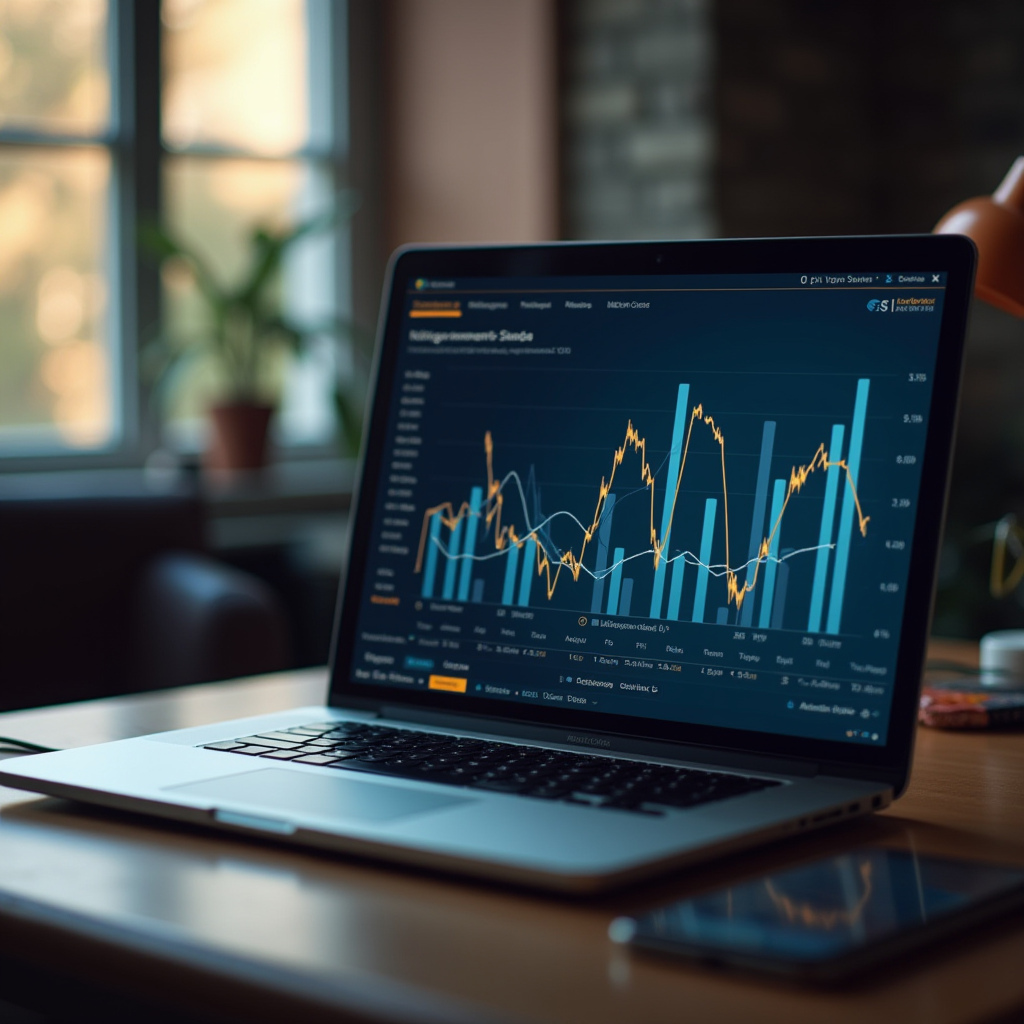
(632, 517)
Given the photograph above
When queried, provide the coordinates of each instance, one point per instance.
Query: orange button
(451, 683)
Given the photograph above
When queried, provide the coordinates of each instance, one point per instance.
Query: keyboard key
(586, 780)
(506, 784)
(315, 759)
(263, 741)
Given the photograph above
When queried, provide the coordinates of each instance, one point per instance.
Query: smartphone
(829, 919)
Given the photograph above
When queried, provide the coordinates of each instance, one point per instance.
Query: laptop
(641, 566)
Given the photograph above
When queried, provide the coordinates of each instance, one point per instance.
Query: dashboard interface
(685, 498)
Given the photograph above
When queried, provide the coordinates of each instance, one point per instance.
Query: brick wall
(867, 117)
(637, 140)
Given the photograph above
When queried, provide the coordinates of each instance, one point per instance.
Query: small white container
(1002, 659)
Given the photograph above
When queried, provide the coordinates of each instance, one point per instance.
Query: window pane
(235, 74)
(53, 66)
(56, 366)
(213, 206)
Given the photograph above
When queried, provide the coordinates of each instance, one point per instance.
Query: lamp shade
(996, 225)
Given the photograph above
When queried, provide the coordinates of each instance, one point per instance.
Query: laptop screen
(685, 498)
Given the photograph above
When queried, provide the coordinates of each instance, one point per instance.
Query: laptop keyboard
(499, 767)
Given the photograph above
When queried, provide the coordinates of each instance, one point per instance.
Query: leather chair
(102, 594)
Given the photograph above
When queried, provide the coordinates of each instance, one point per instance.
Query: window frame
(137, 154)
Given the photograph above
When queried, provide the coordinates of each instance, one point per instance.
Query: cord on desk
(10, 745)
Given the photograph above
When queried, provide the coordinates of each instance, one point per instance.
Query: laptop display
(686, 498)
(640, 567)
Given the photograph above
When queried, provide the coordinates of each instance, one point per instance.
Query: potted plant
(245, 331)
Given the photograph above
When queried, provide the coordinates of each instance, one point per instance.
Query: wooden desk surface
(377, 942)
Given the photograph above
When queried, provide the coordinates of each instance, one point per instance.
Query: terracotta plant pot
(238, 436)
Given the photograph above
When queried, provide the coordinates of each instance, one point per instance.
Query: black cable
(8, 744)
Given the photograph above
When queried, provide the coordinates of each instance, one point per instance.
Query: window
(250, 98)
(60, 360)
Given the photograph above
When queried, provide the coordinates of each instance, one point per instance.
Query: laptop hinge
(603, 742)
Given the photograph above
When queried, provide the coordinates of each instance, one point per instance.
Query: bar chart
(698, 534)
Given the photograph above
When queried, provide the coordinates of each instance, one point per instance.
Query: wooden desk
(199, 919)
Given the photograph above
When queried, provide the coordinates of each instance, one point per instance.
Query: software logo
(878, 305)
(421, 283)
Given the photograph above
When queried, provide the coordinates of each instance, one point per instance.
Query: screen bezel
(955, 255)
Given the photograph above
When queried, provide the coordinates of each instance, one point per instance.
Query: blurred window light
(252, 133)
(54, 74)
(235, 75)
(60, 372)
(249, 147)
(58, 362)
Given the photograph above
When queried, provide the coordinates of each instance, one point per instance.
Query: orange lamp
(995, 223)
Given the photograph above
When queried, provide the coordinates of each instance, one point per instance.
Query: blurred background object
(996, 225)
(110, 589)
(242, 340)
(456, 120)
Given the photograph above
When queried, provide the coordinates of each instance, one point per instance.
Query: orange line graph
(491, 511)
(807, 914)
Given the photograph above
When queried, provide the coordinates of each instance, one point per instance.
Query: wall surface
(472, 121)
(875, 117)
(638, 140)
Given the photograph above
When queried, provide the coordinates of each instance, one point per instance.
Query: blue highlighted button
(424, 663)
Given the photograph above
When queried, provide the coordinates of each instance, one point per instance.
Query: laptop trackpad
(292, 794)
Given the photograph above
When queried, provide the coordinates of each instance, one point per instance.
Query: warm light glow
(24, 205)
(259, 191)
(53, 65)
(236, 74)
(60, 306)
(53, 296)
(77, 374)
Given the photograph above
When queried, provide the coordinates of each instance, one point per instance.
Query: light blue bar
(529, 571)
(511, 562)
(626, 596)
(430, 570)
(835, 601)
(675, 588)
(781, 586)
(706, 538)
(828, 517)
(604, 533)
(613, 588)
(757, 531)
(478, 591)
(454, 546)
(476, 496)
(671, 478)
(722, 618)
(771, 566)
